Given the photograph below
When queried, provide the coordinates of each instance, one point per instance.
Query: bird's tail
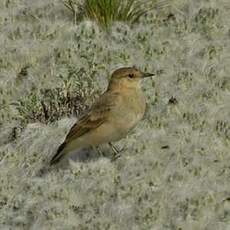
(59, 154)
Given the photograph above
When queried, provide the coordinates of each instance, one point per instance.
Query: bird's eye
(131, 75)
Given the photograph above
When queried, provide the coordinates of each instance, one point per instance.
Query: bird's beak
(147, 75)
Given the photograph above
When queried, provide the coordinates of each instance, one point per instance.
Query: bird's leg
(116, 152)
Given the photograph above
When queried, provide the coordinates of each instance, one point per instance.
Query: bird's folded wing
(96, 116)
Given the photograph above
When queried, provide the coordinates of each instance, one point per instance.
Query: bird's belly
(105, 133)
(121, 120)
(129, 121)
(110, 131)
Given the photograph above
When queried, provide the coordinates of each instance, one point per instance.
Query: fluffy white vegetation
(174, 170)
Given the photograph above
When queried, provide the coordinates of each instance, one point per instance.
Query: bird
(111, 116)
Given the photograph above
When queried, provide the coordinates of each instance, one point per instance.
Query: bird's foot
(116, 152)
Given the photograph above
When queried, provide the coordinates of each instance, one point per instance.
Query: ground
(174, 170)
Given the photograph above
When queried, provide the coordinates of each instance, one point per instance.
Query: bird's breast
(130, 109)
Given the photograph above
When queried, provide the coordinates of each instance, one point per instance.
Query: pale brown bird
(112, 116)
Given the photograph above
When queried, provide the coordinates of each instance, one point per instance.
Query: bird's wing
(96, 116)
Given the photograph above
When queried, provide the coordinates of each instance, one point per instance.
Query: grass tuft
(105, 12)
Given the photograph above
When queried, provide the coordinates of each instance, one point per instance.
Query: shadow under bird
(111, 117)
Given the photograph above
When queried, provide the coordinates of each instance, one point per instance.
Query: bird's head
(127, 77)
